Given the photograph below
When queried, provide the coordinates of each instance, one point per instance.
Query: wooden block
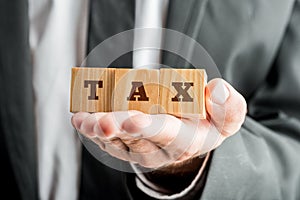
(136, 89)
(182, 92)
(91, 89)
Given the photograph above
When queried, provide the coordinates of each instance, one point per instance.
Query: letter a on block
(182, 92)
(137, 85)
(91, 89)
(136, 89)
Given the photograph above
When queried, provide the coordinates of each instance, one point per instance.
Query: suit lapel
(185, 17)
(16, 100)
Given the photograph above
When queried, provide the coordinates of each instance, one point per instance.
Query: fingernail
(220, 93)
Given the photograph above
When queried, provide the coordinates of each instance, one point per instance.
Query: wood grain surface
(136, 89)
(182, 92)
(81, 97)
(178, 92)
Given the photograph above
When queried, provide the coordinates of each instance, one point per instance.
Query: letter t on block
(136, 89)
(182, 92)
(91, 89)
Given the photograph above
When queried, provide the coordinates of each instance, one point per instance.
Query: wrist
(182, 168)
(177, 176)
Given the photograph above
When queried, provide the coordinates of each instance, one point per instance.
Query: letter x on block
(182, 92)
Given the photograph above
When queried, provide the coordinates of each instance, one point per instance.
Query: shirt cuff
(155, 191)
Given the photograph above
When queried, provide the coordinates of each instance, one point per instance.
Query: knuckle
(132, 142)
(118, 144)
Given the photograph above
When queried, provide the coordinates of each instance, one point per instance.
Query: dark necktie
(107, 18)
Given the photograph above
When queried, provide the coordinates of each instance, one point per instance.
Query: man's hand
(162, 140)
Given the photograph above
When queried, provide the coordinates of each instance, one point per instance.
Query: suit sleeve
(262, 161)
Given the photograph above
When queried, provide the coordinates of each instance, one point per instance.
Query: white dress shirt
(58, 36)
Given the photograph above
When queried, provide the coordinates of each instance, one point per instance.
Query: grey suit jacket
(255, 44)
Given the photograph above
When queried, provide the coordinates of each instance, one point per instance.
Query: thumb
(225, 106)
